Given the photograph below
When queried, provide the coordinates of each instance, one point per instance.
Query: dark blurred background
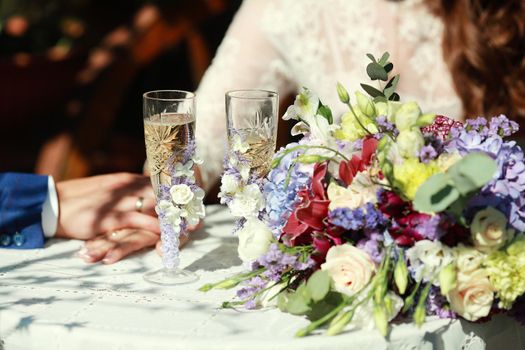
(72, 74)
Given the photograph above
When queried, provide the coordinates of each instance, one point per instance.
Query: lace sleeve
(246, 59)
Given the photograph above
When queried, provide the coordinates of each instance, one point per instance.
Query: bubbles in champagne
(167, 137)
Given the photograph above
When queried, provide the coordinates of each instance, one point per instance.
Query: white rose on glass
(185, 170)
(171, 212)
(247, 202)
(254, 239)
(350, 268)
(489, 230)
(468, 259)
(194, 210)
(473, 296)
(238, 145)
(229, 184)
(181, 194)
(427, 258)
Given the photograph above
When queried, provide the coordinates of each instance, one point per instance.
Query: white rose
(229, 183)
(427, 258)
(247, 202)
(350, 268)
(489, 230)
(467, 259)
(360, 192)
(181, 194)
(194, 211)
(171, 212)
(254, 239)
(473, 296)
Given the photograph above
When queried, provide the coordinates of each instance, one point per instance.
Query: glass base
(168, 277)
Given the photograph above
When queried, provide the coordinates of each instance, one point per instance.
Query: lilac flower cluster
(437, 304)
(275, 262)
(281, 198)
(372, 244)
(366, 217)
(503, 192)
(432, 149)
(385, 126)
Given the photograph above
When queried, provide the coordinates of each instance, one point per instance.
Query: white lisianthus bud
(181, 194)
(342, 93)
(410, 142)
(254, 239)
(365, 105)
(489, 230)
(447, 278)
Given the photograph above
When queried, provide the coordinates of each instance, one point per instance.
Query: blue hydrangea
(281, 198)
(368, 217)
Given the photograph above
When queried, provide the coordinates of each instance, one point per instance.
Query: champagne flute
(252, 119)
(169, 133)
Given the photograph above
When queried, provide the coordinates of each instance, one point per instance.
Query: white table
(52, 300)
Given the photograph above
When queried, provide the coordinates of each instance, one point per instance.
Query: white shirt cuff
(50, 210)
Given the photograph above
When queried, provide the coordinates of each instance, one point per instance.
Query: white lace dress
(282, 45)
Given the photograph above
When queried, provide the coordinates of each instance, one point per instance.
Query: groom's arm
(28, 210)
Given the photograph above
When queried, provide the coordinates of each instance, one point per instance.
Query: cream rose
(489, 230)
(181, 194)
(467, 259)
(350, 268)
(473, 296)
(254, 239)
(360, 192)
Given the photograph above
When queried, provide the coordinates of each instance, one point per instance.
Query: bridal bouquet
(390, 215)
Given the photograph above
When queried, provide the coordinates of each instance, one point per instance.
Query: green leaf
(384, 58)
(372, 58)
(318, 284)
(325, 111)
(388, 67)
(376, 72)
(372, 91)
(394, 97)
(390, 87)
(380, 99)
(435, 194)
(299, 302)
(472, 172)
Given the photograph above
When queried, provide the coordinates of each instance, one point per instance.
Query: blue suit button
(19, 239)
(5, 240)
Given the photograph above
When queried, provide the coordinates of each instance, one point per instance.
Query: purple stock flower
(372, 244)
(437, 304)
(427, 153)
(368, 217)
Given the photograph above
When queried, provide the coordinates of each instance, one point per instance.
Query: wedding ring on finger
(139, 204)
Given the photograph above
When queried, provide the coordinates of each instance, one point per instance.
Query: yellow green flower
(411, 174)
(506, 271)
(351, 129)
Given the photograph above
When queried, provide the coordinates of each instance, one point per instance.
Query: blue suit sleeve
(21, 200)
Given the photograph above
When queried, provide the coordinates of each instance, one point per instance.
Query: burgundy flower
(311, 211)
(441, 127)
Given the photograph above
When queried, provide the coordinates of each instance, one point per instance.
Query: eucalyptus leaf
(394, 97)
(376, 72)
(319, 285)
(380, 99)
(372, 58)
(384, 58)
(435, 194)
(296, 305)
(388, 67)
(472, 172)
(372, 91)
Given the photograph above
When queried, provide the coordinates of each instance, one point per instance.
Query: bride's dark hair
(484, 47)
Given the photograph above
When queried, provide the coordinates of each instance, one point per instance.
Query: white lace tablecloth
(52, 300)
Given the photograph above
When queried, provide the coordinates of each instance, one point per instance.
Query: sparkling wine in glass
(252, 118)
(169, 133)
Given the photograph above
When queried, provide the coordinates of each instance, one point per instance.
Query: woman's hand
(104, 204)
